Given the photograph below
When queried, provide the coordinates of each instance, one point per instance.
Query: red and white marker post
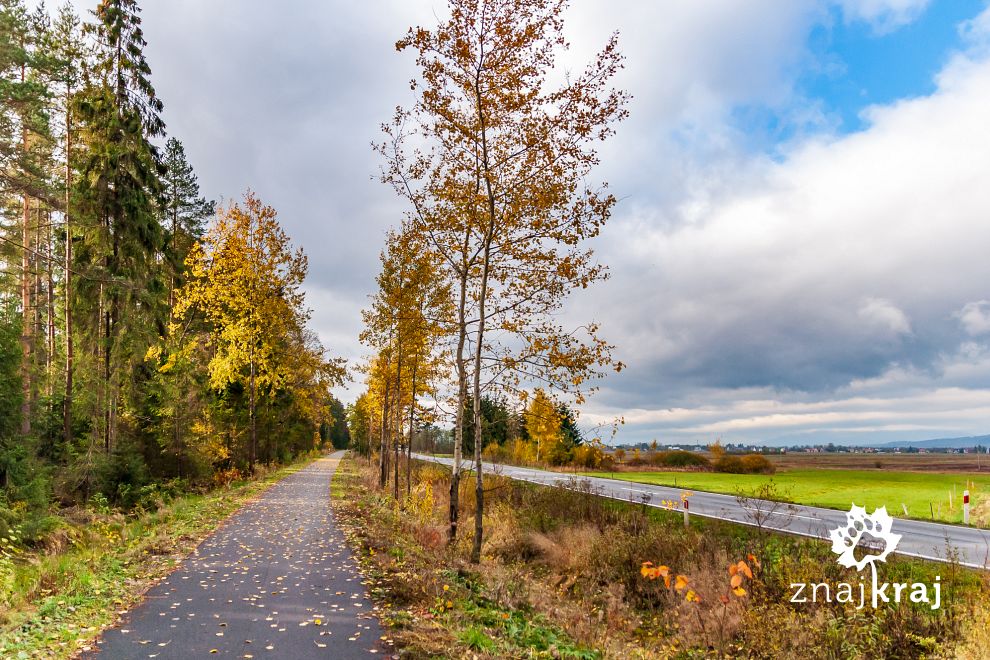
(687, 515)
(965, 507)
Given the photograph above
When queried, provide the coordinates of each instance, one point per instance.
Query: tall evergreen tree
(184, 212)
(120, 113)
(68, 52)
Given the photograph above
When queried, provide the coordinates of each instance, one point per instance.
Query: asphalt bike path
(276, 580)
(940, 542)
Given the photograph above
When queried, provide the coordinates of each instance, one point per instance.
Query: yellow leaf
(681, 582)
(739, 591)
(736, 580)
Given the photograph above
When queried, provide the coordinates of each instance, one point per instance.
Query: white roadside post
(687, 515)
(965, 507)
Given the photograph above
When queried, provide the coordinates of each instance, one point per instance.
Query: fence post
(687, 514)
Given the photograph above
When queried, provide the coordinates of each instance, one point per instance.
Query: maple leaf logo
(846, 537)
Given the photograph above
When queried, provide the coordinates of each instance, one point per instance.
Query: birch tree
(494, 159)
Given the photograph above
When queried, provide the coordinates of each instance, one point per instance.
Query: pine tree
(67, 56)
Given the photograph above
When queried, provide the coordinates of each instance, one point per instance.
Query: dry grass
(560, 577)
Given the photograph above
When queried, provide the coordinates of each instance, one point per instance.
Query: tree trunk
(479, 520)
(397, 430)
(479, 489)
(455, 477)
(50, 302)
(101, 394)
(27, 342)
(383, 449)
(67, 402)
(107, 390)
(412, 417)
(40, 341)
(254, 422)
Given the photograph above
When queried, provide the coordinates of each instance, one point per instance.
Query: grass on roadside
(561, 577)
(58, 601)
(926, 495)
(431, 603)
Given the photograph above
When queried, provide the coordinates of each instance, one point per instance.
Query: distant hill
(942, 443)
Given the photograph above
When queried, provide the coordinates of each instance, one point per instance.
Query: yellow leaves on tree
(542, 423)
(498, 185)
(245, 281)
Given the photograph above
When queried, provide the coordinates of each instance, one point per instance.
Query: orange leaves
(739, 572)
(680, 582)
(651, 572)
(740, 568)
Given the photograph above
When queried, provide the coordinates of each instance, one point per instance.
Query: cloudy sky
(801, 249)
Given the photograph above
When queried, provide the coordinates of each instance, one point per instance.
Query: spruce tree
(184, 212)
(120, 114)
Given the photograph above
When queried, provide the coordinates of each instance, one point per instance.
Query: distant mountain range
(942, 443)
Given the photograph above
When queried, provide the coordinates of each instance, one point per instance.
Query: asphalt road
(934, 541)
(276, 580)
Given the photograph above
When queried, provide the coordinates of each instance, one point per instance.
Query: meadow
(925, 494)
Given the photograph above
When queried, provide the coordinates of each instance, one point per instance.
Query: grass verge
(431, 602)
(99, 564)
(926, 495)
(562, 576)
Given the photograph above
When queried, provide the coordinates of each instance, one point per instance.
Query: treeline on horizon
(148, 340)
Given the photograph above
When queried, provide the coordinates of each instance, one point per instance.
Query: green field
(838, 489)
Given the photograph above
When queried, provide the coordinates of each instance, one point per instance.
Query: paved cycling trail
(276, 580)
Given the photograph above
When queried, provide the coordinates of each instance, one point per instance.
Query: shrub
(680, 458)
(749, 464)
(757, 464)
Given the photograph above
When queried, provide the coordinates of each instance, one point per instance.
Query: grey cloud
(839, 261)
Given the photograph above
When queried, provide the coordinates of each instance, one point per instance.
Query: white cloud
(886, 315)
(975, 317)
(884, 15)
(750, 290)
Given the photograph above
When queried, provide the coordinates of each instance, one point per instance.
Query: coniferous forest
(150, 340)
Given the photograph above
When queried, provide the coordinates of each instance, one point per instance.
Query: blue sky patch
(852, 66)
